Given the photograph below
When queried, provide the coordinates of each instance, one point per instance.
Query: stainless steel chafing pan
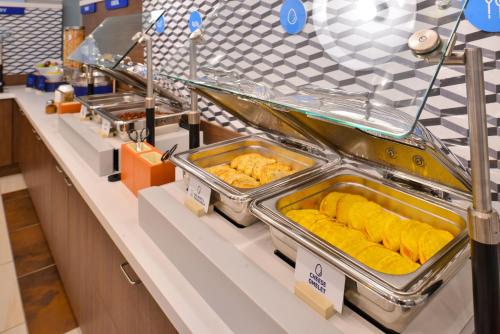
(93, 102)
(392, 300)
(165, 115)
(232, 201)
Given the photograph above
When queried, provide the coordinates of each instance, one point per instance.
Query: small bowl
(54, 77)
(45, 70)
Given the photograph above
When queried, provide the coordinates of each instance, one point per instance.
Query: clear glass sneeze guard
(114, 38)
(350, 65)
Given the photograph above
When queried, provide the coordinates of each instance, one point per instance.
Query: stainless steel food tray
(234, 202)
(122, 127)
(392, 300)
(93, 102)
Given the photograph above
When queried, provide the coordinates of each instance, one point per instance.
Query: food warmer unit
(358, 140)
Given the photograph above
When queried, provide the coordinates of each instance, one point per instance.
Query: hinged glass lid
(350, 64)
(114, 38)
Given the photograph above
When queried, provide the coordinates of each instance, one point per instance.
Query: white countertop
(117, 210)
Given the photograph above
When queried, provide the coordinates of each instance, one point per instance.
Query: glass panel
(114, 38)
(351, 64)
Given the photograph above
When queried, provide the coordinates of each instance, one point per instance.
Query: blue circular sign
(160, 25)
(195, 21)
(293, 16)
(484, 14)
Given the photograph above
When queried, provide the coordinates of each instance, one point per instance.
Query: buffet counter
(191, 306)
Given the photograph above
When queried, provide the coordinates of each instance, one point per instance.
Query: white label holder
(324, 279)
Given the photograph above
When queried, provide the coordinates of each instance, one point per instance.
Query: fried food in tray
(372, 235)
(251, 170)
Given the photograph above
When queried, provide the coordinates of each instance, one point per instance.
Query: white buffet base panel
(202, 294)
(251, 289)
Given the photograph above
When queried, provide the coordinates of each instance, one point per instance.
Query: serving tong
(138, 137)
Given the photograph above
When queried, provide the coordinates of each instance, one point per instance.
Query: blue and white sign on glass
(160, 25)
(88, 9)
(11, 10)
(116, 4)
(195, 21)
(484, 14)
(293, 16)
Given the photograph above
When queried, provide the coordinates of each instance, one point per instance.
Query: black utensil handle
(90, 89)
(486, 287)
(150, 125)
(194, 136)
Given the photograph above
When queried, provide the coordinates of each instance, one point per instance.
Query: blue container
(40, 82)
(30, 80)
(82, 91)
(52, 86)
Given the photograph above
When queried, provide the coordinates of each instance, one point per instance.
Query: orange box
(127, 162)
(140, 170)
(69, 107)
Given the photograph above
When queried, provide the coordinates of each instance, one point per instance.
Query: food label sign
(321, 277)
(200, 193)
(484, 14)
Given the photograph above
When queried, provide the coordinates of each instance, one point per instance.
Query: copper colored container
(73, 37)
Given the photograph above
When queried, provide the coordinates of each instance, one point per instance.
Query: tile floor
(35, 288)
(12, 319)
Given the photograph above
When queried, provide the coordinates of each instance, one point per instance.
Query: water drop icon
(292, 16)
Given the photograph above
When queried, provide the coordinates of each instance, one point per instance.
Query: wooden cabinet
(103, 299)
(6, 133)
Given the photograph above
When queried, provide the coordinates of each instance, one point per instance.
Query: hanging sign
(322, 277)
(88, 9)
(484, 14)
(12, 10)
(195, 21)
(293, 16)
(116, 4)
(160, 25)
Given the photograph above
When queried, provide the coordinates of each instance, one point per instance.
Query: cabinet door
(130, 305)
(6, 157)
(78, 283)
(57, 233)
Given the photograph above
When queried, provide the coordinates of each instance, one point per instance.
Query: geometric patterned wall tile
(36, 36)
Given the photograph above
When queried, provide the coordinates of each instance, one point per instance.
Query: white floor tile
(21, 329)
(5, 252)
(11, 308)
(74, 331)
(12, 183)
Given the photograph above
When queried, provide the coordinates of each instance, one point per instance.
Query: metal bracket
(484, 227)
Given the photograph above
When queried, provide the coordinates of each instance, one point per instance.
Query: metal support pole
(194, 115)
(483, 221)
(89, 74)
(150, 98)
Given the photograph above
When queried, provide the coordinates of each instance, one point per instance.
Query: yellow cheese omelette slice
(328, 205)
(410, 238)
(360, 212)
(344, 205)
(392, 233)
(375, 226)
(431, 242)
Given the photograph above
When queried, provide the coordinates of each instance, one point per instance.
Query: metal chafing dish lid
(362, 104)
